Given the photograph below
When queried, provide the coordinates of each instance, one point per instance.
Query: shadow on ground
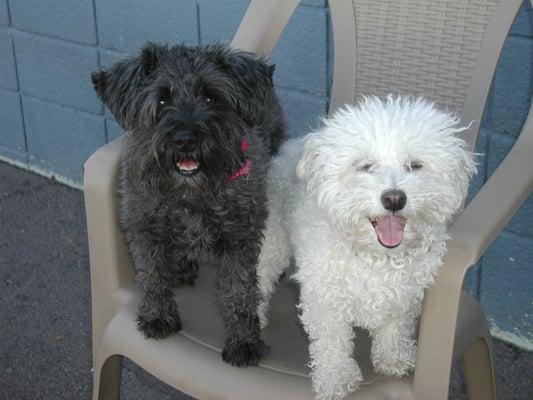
(45, 350)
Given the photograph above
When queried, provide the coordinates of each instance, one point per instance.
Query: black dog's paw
(159, 327)
(158, 316)
(244, 354)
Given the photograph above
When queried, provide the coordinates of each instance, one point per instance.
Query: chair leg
(479, 371)
(106, 379)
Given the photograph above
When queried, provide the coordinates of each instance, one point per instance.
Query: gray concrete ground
(45, 341)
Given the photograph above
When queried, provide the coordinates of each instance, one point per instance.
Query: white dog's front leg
(334, 370)
(393, 347)
(275, 257)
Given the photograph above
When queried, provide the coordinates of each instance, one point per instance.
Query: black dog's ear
(98, 78)
(251, 69)
(255, 70)
(119, 86)
(253, 78)
(149, 57)
(271, 69)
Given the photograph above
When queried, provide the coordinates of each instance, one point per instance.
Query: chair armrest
(472, 233)
(109, 260)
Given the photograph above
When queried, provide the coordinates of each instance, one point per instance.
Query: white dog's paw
(335, 383)
(396, 362)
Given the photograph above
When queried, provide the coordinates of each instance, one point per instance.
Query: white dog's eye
(365, 167)
(413, 166)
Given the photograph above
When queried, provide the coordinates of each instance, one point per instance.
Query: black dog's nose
(185, 141)
(393, 200)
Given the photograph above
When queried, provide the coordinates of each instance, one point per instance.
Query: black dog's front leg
(158, 314)
(237, 301)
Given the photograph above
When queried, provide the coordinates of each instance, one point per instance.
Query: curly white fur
(324, 191)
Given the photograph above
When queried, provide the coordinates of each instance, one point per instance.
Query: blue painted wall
(51, 120)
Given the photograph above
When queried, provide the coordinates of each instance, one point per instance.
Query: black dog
(201, 125)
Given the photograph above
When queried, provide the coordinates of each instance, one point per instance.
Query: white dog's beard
(389, 230)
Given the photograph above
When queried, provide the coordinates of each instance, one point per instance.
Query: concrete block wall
(503, 278)
(51, 120)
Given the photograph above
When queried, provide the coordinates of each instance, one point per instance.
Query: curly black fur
(184, 106)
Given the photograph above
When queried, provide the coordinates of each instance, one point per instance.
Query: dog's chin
(389, 230)
(390, 247)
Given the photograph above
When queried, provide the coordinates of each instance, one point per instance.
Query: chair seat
(282, 374)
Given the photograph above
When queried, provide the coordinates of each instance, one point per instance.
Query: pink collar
(245, 169)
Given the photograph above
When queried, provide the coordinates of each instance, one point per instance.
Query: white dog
(362, 205)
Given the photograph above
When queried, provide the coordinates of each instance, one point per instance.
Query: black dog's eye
(365, 167)
(208, 100)
(164, 97)
(413, 166)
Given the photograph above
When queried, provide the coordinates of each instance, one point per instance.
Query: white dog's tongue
(390, 230)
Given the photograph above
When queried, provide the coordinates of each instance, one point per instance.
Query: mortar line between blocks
(55, 103)
(329, 55)
(305, 5)
(198, 26)
(106, 131)
(13, 29)
(51, 37)
(305, 93)
(19, 94)
(96, 28)
(486, 156)
(8, 13)
(24, 129)
(23, 116)
(15, 61)
(479, 274)
(522, 35)
(98, 62)
(515, 235)
(7, 89)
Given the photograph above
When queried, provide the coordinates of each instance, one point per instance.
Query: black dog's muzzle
(185, 141)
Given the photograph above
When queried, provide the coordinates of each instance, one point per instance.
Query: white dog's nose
(393, 200)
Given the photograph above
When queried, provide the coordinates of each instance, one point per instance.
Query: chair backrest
(443, 50)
